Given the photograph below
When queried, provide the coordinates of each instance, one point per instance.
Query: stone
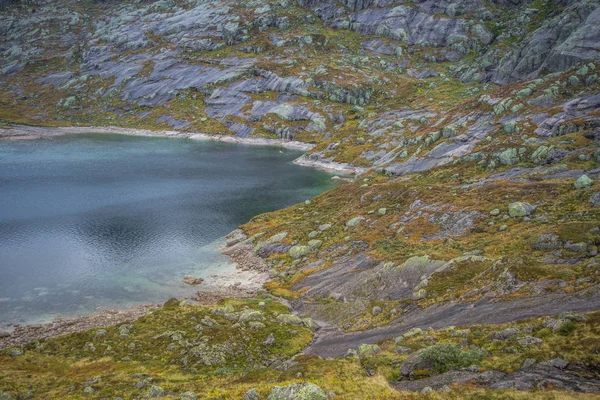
(529, 340)
(324, 227)
(155, 392)
(528, 363)
(251, 394)
(250, 315)
(368, 350)
(188, 396)
(495, 212)
(574, 81)
(416, 362)
(297, 391)
(270, 340)
(88, 391)
(583, 182)
(192, 280)
(382, 211)
(314, 244)
(354, 221)
(376, 311)
(4, 334)
(520, 209)
(5, 396)
(505, 334)
(299, 251)
(289, 319)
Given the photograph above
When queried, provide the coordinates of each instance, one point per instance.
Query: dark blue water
(100, 221)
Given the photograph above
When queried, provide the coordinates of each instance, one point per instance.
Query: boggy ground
(460, 262)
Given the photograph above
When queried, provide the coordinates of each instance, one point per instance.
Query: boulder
(520, 209)
(417, 362)
(297, 391)
(299, 251)
(583, 182)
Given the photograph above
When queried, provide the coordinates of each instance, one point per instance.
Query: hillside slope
(474, 129)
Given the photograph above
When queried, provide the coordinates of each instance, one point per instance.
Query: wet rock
(192, 280)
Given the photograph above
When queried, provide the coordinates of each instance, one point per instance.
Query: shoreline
(26, 132)
(244, 280)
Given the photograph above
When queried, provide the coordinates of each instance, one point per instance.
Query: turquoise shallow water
(96, 221)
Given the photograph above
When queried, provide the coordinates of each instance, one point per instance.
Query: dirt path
(331, 342)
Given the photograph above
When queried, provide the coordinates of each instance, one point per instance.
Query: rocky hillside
(461, 260)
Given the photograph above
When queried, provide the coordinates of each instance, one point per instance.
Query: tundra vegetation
(461, 259)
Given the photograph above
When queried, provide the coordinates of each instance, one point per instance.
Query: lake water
(97, 221)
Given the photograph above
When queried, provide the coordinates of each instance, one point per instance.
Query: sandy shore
(38, 132)
(244, 280)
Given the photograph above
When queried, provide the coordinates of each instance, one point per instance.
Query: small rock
(368, 350)
(529, 340)
(557, 363)
(251, 394)
(188, 396)
(270, 340)
(192, 280)
(297, 391)
(155, 392)
(495, 212)
(376, 311)
(505, 334)
(529, 362)
(88, 390)
(354, 221)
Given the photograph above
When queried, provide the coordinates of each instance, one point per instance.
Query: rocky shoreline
(24, 132)
(244, 281)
